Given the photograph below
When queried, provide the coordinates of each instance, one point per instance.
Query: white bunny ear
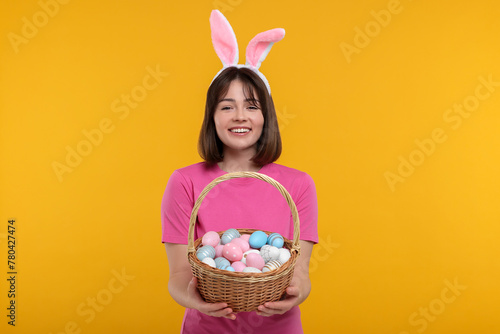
(260, 45)
(224, 39)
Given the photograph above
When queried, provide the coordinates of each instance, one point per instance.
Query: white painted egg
(272, 265)
(269, 253)
(284, 255)
(209, 261)
(251, 270)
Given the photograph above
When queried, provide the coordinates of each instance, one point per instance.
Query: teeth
(239, 130)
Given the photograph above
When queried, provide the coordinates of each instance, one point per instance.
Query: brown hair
(269, 143)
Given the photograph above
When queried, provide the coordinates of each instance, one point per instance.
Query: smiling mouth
(239, 130)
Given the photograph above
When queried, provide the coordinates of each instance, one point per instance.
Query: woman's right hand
(212, 309)
(183, 287)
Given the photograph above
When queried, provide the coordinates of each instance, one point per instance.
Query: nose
(239, 114)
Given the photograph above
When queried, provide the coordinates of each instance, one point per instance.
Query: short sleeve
(307, 207)
(176, 207)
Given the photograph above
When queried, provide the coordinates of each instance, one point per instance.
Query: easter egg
(238, 266)
(245, 237)
(227, 267)
(276, 240)
(272, 265)
(255, 260)
(205, 251)
(284, 255)
(244, 258)
(257, 239)
(210, 238)
(232, 252)
(209, 261)
(251, 270)
(221, 261)
(229, 235)
(242, 243)
(218, 250)
(269, 253)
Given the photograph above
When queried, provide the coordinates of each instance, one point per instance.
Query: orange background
(383, 103)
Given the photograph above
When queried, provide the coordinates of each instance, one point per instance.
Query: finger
(193, 284)
(226, 313)
(212, 309)
(286, 303)
(192, 290)
(281, 307)
(268, 312)
(292, 291)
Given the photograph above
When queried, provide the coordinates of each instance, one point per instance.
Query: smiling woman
(238, 122)
(239, 133)
(239, 114)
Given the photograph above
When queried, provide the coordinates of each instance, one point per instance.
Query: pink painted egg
(238, 266)
(244, 258)
(245, 237)
(218, 250)
(210, 238)
(232, 252)
(242, 243)
(255, 260)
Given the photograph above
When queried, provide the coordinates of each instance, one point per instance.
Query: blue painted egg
(205, 251)
(229, 235)
(221, 261)
(257, 239)
(276, 240)
(227, 267)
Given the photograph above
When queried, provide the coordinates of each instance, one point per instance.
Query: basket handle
(255, 175)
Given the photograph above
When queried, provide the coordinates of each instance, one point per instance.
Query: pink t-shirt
(239, 203)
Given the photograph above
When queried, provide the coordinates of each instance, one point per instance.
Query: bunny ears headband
(226, 46)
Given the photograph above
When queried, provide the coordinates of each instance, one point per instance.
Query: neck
(238, 161)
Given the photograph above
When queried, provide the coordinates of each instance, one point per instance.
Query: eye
(225, 108)
(253, 108)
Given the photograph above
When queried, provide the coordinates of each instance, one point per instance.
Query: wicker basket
(243, 292)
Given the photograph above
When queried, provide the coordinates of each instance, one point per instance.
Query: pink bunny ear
(224, 39)
(260, 45)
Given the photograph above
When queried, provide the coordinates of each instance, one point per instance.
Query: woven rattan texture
(243, 292)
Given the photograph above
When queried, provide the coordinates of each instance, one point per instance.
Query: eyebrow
(233, 100)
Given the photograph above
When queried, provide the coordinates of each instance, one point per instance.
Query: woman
(239, 133)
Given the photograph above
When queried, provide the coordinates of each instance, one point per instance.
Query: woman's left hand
(295, 295)
(299, 288)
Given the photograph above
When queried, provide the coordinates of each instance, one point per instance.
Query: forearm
(304, 284)
(178, 287)
(301, 279)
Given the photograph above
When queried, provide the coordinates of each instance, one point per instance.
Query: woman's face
(238, 121)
